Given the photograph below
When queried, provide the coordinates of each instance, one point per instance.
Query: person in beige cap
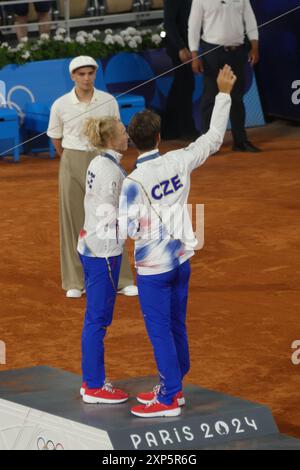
(67, 118)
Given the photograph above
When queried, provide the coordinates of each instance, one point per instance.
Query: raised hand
(226, 79)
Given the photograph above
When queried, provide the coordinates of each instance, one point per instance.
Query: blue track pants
(100, 302)
(163, 300)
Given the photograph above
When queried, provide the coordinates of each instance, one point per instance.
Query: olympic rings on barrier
(2, 100)
(12, 104)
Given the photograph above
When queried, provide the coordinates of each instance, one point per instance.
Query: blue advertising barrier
(43, 82)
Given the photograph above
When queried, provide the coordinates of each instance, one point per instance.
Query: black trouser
(212, 63)
(23, 9)
(177, 120)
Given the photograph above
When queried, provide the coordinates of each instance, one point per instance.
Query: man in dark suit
(177, 121)
(220, 26)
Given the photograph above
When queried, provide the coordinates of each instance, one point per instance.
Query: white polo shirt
(222, 22)
(68, 115)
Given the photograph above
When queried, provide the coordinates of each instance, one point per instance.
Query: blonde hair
(99, 131)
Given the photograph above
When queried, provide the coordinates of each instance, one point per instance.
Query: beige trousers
(72, 177)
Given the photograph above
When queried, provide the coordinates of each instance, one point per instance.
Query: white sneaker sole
(159, 414)
(130, 291)
(82, 391)
(180, 401)
(74, 294)
(96, 400)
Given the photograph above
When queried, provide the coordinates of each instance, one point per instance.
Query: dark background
(279, 64)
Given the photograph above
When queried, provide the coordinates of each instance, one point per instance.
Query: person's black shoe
(169, 135)
(190, 135)
(246, 147)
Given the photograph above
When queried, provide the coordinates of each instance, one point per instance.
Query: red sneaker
(83, 388)
(107, 394)
(156, 409)
(150, 396)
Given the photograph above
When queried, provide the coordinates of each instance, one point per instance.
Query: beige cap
(82, 61)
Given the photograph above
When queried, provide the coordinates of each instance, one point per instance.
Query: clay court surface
(244, 304)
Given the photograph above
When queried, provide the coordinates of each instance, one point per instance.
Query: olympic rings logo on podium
(42, 444)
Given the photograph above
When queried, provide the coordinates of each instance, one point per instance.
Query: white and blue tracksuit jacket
(153, 204)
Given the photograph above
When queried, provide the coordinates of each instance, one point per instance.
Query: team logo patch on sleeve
(90, 179)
